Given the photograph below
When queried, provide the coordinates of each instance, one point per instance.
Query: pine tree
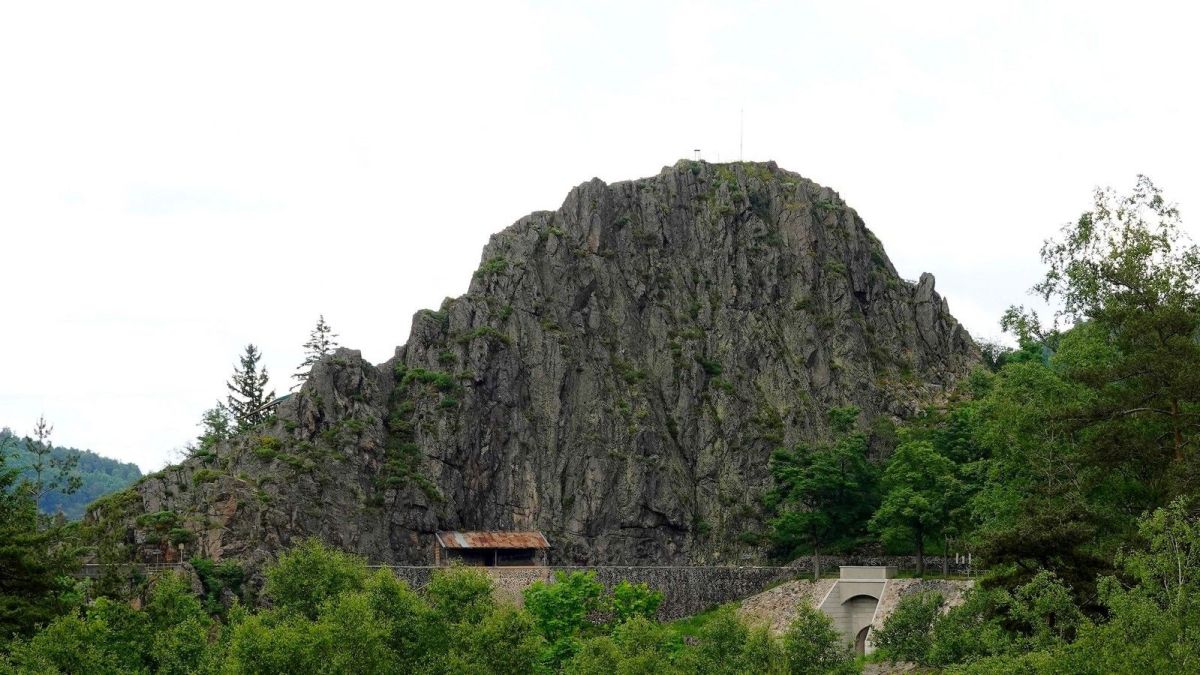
(322, 341)
(50, 474)
(248, 390)
(36, 552)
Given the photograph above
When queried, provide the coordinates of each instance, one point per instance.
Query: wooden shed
(491, 549)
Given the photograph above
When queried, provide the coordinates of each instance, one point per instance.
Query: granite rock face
(617, 376)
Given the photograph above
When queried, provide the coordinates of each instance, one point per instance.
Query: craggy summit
(616, 377)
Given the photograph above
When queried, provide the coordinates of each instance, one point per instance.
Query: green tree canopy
(248, 394)
(921, 497)
(823, 494)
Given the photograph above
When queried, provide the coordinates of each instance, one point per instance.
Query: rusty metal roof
(492, 539)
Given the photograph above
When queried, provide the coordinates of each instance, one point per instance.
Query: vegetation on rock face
(606, 348)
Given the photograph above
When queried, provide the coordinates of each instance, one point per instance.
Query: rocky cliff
(617, 376)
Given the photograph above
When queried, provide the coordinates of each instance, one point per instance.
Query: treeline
(98, 476)
(1043, 462)
(329, 614)
(1144, 617)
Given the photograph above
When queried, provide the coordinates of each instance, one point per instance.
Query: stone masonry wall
(687, 590)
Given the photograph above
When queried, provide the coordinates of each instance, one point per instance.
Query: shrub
(493, 266)
(560, 610)
(461, 595)
(711, 366)
(310, 574)
(813, 646)
(205, 476)
(906, 634)
(630, 600)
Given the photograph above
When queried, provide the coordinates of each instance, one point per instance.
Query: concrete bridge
(853, 602)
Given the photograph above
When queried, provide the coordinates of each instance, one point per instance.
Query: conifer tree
(322, 341)
(50, 474)
(248, 393)
(37, 552)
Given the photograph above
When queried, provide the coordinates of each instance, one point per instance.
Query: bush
(630, 600)
(493, 266)
(411, 625)
(310, 574)
(813, 646)
(205, 476)
(906, 634)
(560, 610)
(461, 595)
(971, 631)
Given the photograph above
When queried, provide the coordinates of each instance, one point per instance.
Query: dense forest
(98, 475)
(1067, 465)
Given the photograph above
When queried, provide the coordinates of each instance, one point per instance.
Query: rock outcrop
(617, 376)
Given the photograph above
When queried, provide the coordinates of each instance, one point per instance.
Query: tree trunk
(816, 563)
(1178, 432)
(945, 557)
(920, 553)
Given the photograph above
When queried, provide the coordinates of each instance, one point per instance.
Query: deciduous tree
(823, 493)
(920, 496)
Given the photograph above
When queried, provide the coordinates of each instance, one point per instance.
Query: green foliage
(35, 555)
(812, 645)
(311, 573)
(630, 600)
(205, 476)
(98, 476)
(461, 595)
(484, 332)
(921, 496)
(491, 267)
(322, 342)
(711, 367)
(726, 646)
(1108, 426)
(560, 610)
(443, 382)
(216, 578)
(905, 636)
(326, 613)
(248, 394)
(171, 635)
(1150, 625)
(822, 494)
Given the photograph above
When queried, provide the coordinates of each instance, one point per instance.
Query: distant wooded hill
(100, 475)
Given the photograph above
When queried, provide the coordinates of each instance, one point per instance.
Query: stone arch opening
(857, 613)
(860, 641)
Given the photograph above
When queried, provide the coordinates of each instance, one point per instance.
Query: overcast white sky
(179, 179)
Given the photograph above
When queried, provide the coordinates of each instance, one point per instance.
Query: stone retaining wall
(686, 590)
